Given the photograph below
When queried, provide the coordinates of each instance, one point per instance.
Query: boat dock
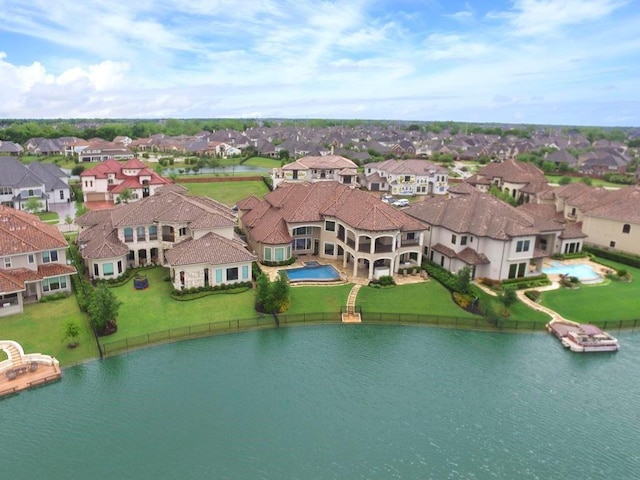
(20, 372)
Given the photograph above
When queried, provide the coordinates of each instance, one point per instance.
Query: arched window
(128, 235)
(626, 228)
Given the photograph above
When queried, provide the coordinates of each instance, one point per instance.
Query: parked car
(387, 198)
(401, 202)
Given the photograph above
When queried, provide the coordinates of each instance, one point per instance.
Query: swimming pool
(585, 273)
(315, 273)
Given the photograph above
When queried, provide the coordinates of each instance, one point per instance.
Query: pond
(335, 402)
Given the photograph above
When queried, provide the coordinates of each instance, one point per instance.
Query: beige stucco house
(192, 236)
(406, 177)
(332, 221)
(324, 168)
(33, 260)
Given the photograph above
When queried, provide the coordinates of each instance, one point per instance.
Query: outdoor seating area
(14, 372)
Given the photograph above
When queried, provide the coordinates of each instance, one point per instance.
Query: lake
(335, 402)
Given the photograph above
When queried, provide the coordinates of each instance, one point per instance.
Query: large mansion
(406, 177)
(332, 221)
(475, 229)
(33, 260)
(192, 236)
(107, 180)
(313, 169)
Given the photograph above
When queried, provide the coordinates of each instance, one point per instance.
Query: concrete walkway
(351, 316)
(530, 303)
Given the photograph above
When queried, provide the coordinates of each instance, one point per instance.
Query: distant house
(192, 236)
(19, 184)
(33, 261)
(562, 157)
(10, 148)
(99, 151)
(523, 181)
(406, 177)
(609, 219)
(107, 180)
(495, 240)
(44, 146)
(334, 221)
(317, 169)
(56, 182)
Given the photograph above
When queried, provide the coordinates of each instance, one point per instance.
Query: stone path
(351, 316)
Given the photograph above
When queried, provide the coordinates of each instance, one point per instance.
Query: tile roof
(312, 202)
(410, 167)
(22, 232)
(513, 171)
(476, 213)
(321, 161)
(211, 249)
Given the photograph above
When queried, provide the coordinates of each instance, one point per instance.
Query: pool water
(316, 273)
(582, 271)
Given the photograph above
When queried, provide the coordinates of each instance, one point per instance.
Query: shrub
(283, 263)
(533, 295)
(386, 281)
(620, 257)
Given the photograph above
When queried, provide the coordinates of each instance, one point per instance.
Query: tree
(33, 205)
(508, 298)
(284, 154)
(77, 170)
(81, 209)
(71, 334)
(586, 181)
(272, 297)
(565, 180)
(464, 280)
(103, 310)
(125, 195)
(280, 292)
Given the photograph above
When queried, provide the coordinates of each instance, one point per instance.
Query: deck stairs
(351, 316)
(14, 354)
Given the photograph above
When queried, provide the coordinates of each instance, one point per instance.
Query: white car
(387, 198)
(401, 202)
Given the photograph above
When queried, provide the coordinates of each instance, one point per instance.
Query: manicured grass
(318, 299)
(598, 303)
(518, 311)
(429, 298)
(153, 309)
(264, 162)
(60, 160)
(228, 193)
(596, 182)
(49, 217)
(41, 327)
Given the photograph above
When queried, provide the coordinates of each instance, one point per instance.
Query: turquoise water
(583, 272)
(335, 402)
(312, 272)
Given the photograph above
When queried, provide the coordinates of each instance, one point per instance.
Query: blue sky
(571, 62)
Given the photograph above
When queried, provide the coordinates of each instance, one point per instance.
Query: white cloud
(535, 17)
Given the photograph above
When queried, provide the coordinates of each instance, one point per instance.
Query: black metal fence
(272, 321)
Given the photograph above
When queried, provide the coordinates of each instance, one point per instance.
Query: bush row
(383, 281)
(283, 263)
(620, 257)
(442, 275)
(54, 297)
(225, 287)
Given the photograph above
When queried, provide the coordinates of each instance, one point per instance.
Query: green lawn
(60, 160)
(318, 299)
(264, 162)
(596, 182)
(518, 311)
(429, 298)
(228, 193)
(49, 217)
(598, 303)
(41, 327)
(153, 309)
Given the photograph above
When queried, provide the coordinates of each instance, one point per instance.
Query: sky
(560, 62)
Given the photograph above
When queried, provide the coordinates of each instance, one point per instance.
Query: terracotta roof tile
(210, 249)
(21, 232)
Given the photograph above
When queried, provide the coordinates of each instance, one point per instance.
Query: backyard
(40, 329)
(610, 301)
(228, 193)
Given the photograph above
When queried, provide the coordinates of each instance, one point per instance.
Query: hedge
(615, 256)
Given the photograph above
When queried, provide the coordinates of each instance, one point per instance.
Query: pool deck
(346, 274)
